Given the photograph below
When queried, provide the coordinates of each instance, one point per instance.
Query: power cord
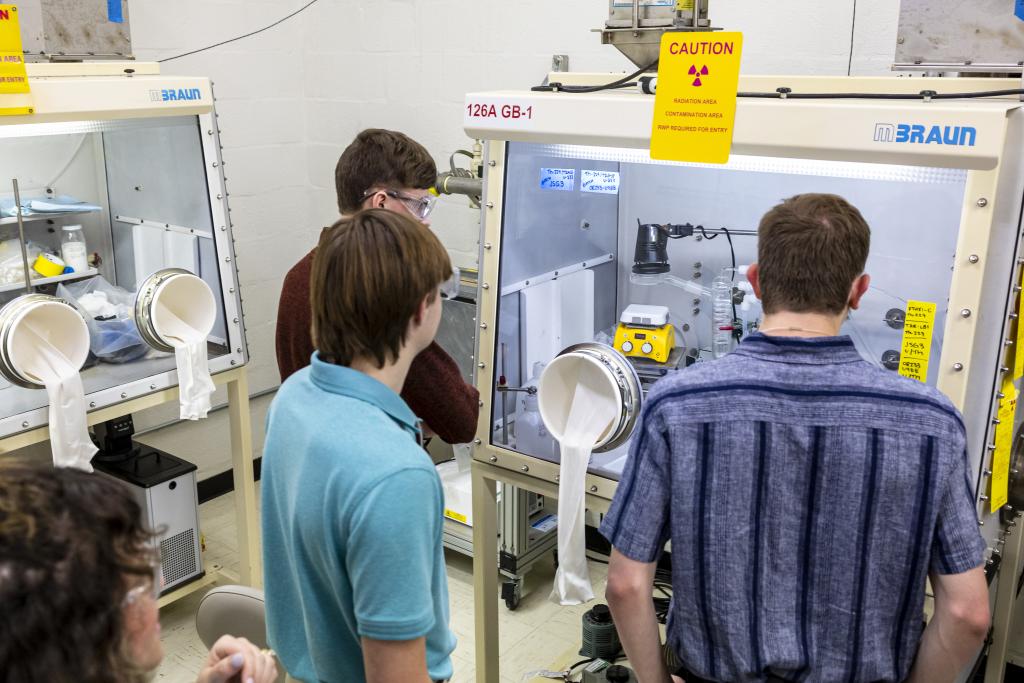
(247, 35)
(624, 82)
(736, 332)
(787, 93)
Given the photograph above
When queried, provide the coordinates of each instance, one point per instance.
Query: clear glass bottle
(73, 248)
(722, 320)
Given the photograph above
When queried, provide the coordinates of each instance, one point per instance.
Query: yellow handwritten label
(1004, 443)
(684, 5)
(917, 340)
(695, 105)
(1018, 346)
(452, 514)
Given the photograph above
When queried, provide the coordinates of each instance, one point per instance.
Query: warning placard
(13, 77)
(998, 493)
(695, 104)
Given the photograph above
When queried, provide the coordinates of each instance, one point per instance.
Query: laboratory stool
(234, 610)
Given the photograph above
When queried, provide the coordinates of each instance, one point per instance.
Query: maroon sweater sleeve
(436, 392)
(294, 336)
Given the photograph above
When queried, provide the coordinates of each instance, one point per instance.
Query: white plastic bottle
(532, 437)
(73, 248)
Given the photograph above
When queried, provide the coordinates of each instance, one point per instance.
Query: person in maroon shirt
(389, 170)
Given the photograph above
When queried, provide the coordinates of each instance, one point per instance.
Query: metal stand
(21, 235)
(250, 567)
(521, 546)
(486, 479)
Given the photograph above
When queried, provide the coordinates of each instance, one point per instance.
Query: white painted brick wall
(292, 98)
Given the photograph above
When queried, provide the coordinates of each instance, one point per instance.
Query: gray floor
(536, 636)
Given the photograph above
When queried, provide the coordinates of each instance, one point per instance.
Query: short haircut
(810, 250)
(370, 273)
(381, 158)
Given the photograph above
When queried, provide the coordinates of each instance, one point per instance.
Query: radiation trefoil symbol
(697, 74)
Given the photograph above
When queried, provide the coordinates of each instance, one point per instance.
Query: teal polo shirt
(352, 514)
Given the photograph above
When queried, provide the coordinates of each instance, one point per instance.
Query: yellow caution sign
(695, 104)
(917, 340)
(13, 77)
(1004, 444)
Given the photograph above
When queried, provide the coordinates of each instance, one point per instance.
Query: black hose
(623, 82)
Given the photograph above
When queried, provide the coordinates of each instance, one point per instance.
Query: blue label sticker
(563, 179)
(114, 12)
(1019, 9)
(599, 182)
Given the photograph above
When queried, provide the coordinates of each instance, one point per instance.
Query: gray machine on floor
(164, 486)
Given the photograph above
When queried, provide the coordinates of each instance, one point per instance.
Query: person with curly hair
(79, 586)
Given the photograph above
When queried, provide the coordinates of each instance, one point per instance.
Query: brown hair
(810, 249)
(385, 159)
(71, 545)
(370, 273)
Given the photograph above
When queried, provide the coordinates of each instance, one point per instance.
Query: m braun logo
(885, 132)
(175, 95)
(917, 134)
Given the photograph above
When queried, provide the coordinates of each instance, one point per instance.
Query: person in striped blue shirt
(807, 494)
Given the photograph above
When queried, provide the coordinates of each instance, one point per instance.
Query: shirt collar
(338, 379)
(807, 350)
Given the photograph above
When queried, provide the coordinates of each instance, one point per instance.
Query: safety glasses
(152, 587)
(450, 287)
(420, 207)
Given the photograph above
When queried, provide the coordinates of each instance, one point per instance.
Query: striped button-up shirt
(807, 495)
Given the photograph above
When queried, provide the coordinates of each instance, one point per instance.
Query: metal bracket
(560, 63)
(169, 227)
(555, 274)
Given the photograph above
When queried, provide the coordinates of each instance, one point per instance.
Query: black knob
(601, 614)
(616, 674)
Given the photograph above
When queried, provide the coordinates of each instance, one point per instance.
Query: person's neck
(789, 324)
(392, 375)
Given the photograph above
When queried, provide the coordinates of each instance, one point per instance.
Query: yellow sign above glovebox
(13, 77)
(695, 103)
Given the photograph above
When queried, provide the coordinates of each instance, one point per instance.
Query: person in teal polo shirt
(352, 507)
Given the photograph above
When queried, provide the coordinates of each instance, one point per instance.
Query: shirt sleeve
(392, 547)
(293, 339)
(958, 545)
(436, 392)
(637, 522)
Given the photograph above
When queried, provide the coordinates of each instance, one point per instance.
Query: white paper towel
(195, 386)
(591, 413)
(69, 430)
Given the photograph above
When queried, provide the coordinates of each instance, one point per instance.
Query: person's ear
(754, 278)
(379, 199)
(858, 290)
(421, 312)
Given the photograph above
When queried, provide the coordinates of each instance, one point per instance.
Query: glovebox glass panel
(572, 218)
(139, 191)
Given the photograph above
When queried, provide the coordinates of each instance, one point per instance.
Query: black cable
(231, 40)
(879, 96)
(853, 33)
(623, 82)
(737, 330)
(580, 663)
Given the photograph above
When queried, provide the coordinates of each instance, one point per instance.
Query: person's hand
(234, 660)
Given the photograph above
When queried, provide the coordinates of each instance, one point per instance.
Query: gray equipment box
(952, 35)
(164, 486)
(73, 30)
